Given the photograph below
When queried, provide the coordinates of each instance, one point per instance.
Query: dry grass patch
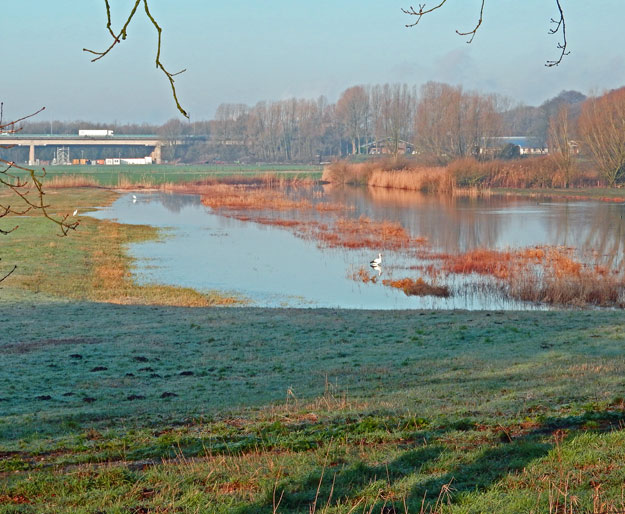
(430, 180)
(70, 181)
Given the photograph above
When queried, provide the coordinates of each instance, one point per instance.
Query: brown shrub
(418, 287)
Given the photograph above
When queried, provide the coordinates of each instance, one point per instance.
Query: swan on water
(377, 261)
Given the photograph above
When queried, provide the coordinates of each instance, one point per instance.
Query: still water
(271, 267)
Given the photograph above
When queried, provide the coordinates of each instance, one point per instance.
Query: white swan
(377, 261)
(134, 198)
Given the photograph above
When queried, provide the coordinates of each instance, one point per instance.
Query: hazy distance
(244, 51)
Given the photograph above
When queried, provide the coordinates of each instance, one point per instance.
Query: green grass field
(112, 402)
(153, 174)
(114, 408)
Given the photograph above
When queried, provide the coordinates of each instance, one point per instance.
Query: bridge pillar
(156, 154)
(31, 155)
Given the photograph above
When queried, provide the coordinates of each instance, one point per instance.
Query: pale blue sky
(247, 51)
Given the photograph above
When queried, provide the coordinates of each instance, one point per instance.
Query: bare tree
(558, 25)
(353, 111)
(602, 127)
(559, 141)
(25, 186)
(397, 113)
(451, 123)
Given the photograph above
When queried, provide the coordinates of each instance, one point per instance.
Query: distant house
(527, 145)
(387, 146)
(574, 146)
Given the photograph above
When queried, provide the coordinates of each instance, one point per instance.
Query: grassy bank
(162, 409)
(91, 264)
(153, 175)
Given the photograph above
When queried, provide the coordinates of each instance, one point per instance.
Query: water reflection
(460, 224)
(272, 267)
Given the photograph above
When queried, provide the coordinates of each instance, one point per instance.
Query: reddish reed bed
(365, 233)
(365, 276)
(418, 287)
(542, 275)
(238, 197)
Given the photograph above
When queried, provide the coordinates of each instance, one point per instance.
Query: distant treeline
(439, 122)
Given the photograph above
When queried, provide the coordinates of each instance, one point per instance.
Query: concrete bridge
(33, 141)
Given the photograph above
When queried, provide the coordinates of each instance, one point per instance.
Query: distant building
(387, 146)
(527, 145)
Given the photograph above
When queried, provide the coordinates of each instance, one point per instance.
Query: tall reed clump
(531, 172)
(426, 180)
(542, 275)
(566, 282)
(397, 173)
(67, 181)
(343, 172)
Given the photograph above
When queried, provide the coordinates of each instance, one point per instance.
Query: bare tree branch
(123, 33)
(422, 10)
(560, 25)
(477, 26)
(9, 273)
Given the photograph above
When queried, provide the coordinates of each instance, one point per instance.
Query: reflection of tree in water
(459, 224)
(176, 202)
(598, 230)
(451, 224)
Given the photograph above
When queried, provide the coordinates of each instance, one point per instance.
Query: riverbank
(91, 264)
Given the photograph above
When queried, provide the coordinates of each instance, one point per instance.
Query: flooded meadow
(312, 245)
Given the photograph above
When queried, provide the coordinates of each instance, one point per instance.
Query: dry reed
(541, 275)
(427, 180)
(67, 181)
